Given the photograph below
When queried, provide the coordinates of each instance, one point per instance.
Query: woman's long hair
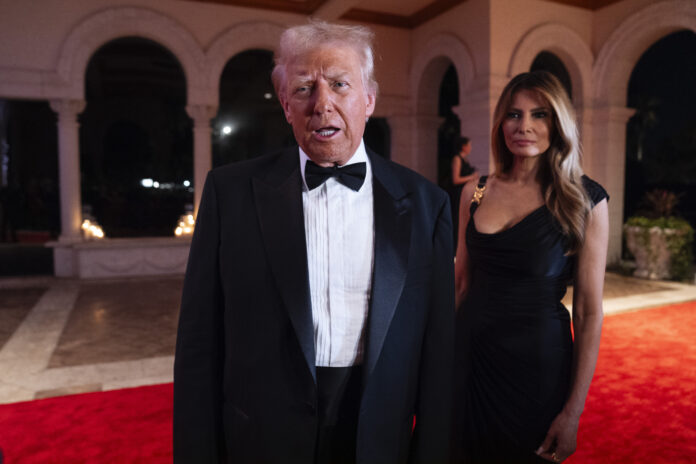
(560, 173)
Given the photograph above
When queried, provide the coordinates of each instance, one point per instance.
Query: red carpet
(641, 408)
(133, 425)
(642, 402)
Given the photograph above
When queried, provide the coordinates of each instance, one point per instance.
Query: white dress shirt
(339, 227)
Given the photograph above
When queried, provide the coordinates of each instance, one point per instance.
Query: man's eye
(302, 89)
(340, 84)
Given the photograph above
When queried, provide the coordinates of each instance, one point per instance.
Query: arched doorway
(250, 121)
(661, 135)
(547, 61)
(136, 147)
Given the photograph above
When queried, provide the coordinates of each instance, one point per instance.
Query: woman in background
(462, 172)
(525, 232)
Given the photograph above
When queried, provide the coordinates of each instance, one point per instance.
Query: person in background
(462, 172)
(536, 224)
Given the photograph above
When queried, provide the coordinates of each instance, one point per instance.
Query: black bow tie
(351, 175)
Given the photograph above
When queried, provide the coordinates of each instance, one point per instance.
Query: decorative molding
(67, 109)
(114, 23)
(423, 15)
(331, 10)
(123, 257)
(201, 114)
(608, 114)
(563, 42)
(239, 38)
(305, 7)
(628, 42)
(452, 49)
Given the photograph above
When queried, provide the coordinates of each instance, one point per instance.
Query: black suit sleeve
(431, 439)
(198, 359)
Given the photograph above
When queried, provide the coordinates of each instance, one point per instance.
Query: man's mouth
(326, 131)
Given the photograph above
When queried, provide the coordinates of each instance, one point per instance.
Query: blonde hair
(298, 40)
(560, 172)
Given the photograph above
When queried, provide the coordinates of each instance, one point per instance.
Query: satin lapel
(393, 217)
(278, 198)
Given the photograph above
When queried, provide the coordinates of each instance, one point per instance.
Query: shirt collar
(359, 156)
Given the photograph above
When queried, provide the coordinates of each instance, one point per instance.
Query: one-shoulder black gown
(514, 343)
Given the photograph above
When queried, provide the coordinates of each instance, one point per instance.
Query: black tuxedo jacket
(244, 374)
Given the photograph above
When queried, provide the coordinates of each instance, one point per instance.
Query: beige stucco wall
(606, 20)
(33, 32)
(469, 21)
(512, 20)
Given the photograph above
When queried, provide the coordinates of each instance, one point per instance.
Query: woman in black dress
(462, 172)
(525, 232)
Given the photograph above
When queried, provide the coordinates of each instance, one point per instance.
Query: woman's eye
(540, 114)
(513, 115)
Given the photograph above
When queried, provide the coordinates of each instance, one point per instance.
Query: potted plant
(660, 242)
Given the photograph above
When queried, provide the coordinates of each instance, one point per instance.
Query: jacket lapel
(393, 215)
(278, 195)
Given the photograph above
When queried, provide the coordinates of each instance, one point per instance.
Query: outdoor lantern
(185, 226)
(91, 230)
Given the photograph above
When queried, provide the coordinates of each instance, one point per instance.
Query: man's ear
(370, 104)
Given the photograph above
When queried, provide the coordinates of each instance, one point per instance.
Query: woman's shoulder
(469, 187)
(594, 190)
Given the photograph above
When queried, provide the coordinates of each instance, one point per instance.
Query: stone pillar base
(120, 257)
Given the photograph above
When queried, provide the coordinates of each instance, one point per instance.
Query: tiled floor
(61, 336)
(74, 336)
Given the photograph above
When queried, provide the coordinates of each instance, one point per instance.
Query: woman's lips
(524, 143)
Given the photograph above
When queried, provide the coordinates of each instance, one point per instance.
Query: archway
(250, 120)
(660, 137)
(547, 61)
(429, 68)
(615, 63)
(552, 46)
(136, 148)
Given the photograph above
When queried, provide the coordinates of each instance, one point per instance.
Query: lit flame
(91, 230)
(185, 225)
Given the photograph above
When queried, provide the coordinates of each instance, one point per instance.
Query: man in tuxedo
(317, 314)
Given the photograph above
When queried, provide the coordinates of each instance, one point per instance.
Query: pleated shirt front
(339, 228)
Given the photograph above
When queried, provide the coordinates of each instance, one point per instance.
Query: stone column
(202, 150)
(402, 140)
(475, 113)
(69, 168)
(425, 159)
(475, 120)
(606, 163)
